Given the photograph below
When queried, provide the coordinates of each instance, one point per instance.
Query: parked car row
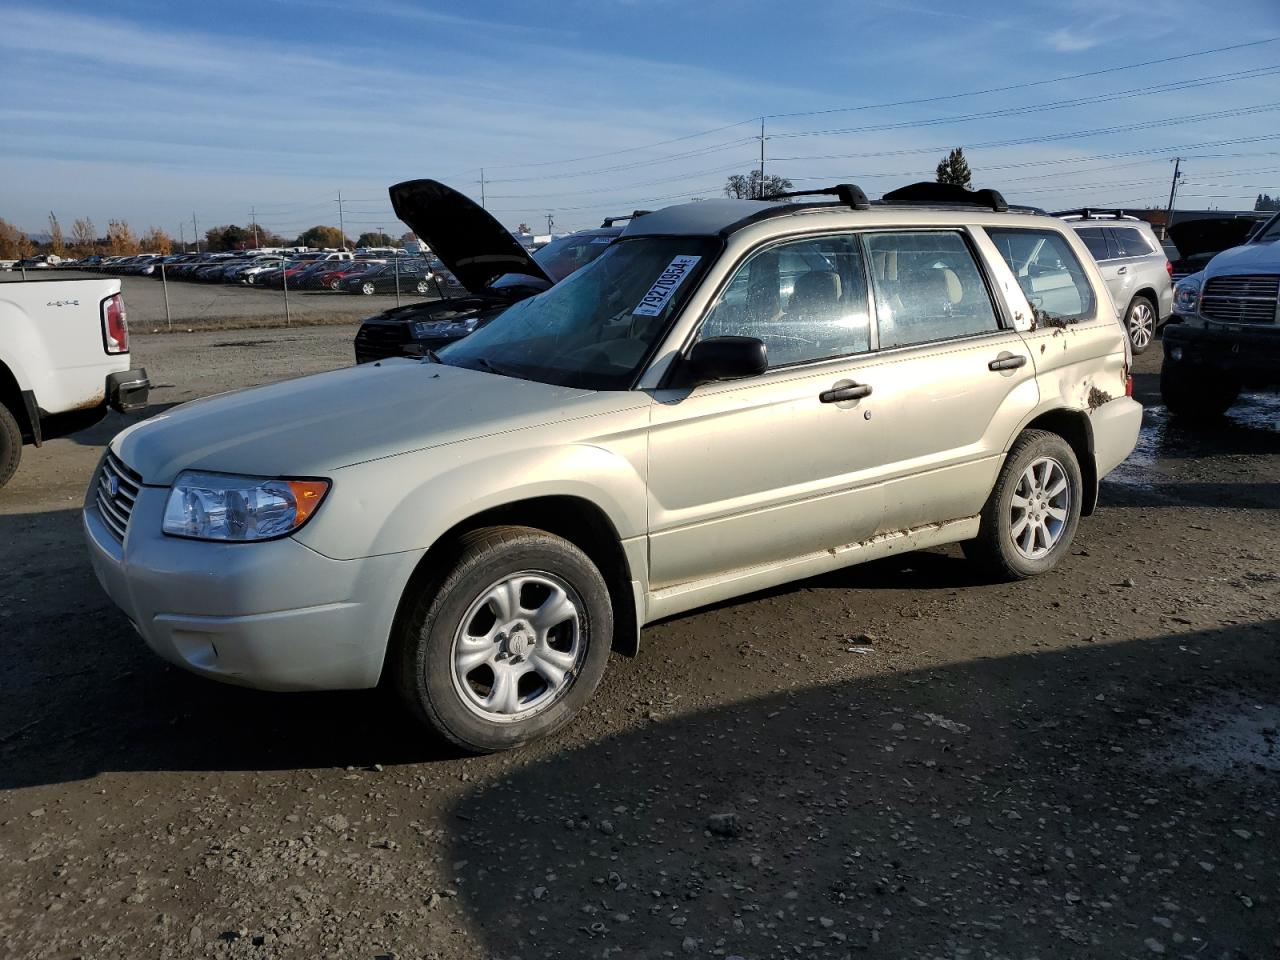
(334, 270)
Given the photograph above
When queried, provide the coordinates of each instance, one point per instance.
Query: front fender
(408, 502)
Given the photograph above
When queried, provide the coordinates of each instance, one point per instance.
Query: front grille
(377, 341)
(118, 488)
(1244, 299)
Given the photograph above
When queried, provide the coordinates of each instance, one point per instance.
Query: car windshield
(1269, 232)
(562, 257)
(596, 328)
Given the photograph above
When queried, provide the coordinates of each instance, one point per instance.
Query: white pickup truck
(64, 359)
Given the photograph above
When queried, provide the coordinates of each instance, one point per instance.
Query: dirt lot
(893, 761)
(199, 306)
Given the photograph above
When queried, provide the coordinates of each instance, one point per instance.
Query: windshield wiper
(429, 354)
(490, 367)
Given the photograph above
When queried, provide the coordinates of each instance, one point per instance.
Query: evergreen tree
(954, 169)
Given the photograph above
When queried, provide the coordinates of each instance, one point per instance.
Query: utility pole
(1173, 192)
(195, 230)
(551, 222)
(253, 218)
(761, 158)
(341, 223)
(182, 232)
(482, 188)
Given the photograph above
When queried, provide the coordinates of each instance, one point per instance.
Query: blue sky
(150, 111)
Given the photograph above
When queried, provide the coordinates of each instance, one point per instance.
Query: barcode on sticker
(668, 282)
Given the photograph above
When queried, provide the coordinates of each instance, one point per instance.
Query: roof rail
(927, 193)
(610, 221)
(1089, 213)
(849, 194)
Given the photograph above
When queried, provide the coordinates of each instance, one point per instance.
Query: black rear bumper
(128, 391)
(1251, 357)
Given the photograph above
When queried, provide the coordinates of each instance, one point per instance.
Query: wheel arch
(21, 403)
(1074, 427)
(576, 519)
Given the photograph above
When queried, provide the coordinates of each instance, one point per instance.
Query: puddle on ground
(1231, 737)
(1252, 425)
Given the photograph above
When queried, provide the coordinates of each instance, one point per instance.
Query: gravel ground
(218, 305)
(897, 760)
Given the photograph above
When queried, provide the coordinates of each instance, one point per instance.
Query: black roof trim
(610, 221)
(928, 193)
(850, 194)
(1088, 213)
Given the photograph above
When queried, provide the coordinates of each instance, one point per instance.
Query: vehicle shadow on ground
(100, 433)
(1042, 805)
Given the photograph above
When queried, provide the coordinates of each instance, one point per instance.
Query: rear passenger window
(1048, 271)
(1131, 242)
(1095, 238)
(927, 288)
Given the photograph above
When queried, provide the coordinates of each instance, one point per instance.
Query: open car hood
(1210, 235)
(475, 247)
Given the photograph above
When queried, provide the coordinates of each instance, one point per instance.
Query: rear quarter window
(1048, 271)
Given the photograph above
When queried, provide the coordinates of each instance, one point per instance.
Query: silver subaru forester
(736, 394)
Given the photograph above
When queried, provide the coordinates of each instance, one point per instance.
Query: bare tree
(84, 238)
(156, 240)
(14, 243)
(120, 239)
(57, 244)
(747, 186)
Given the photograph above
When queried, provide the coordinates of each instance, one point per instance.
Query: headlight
(217, 506)
(441, 329)
(1186, 295)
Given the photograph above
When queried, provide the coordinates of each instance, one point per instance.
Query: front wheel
(510, 644)
(10, 445)
(367, 288)
(424, 287)
(1140, 324)
(1031, 516)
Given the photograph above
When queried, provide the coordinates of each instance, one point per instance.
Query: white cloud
(1065, 40)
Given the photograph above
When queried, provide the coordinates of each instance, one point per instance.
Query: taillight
(1168, 266)
(1128, 386)
(115, 325)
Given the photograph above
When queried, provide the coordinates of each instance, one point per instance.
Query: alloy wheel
(1040, 508)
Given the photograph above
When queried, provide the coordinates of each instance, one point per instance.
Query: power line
(915, 101)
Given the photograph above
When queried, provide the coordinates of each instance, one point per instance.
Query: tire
(367, 288)
(460, 617)
(1140, 322)
(10, 445)
(424, 287)
(335, 285)
(1000, 546)
(1195, 395)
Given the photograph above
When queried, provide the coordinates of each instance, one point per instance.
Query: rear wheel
(1193, 394)
(10, 444)
(424, 286)
(1140, 324)
(1031, 516)
(510, 644)
(367, 288)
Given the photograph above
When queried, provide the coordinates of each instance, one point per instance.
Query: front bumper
(128, 390)
(273, 615)
(1244, 352)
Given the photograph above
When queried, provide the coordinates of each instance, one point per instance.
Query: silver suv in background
(1134, 266)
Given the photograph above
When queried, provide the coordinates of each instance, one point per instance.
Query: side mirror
(725, 358)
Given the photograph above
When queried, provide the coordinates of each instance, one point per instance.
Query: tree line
(84, 239)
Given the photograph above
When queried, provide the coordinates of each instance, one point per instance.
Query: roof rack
(1089, 213)
(849, 194)
(927, 193)
(610, 221)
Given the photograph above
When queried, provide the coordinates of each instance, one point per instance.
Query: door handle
(1010, 362)
(1122, 270)
(854, 391)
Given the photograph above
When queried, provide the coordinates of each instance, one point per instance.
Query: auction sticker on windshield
(668, 282)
